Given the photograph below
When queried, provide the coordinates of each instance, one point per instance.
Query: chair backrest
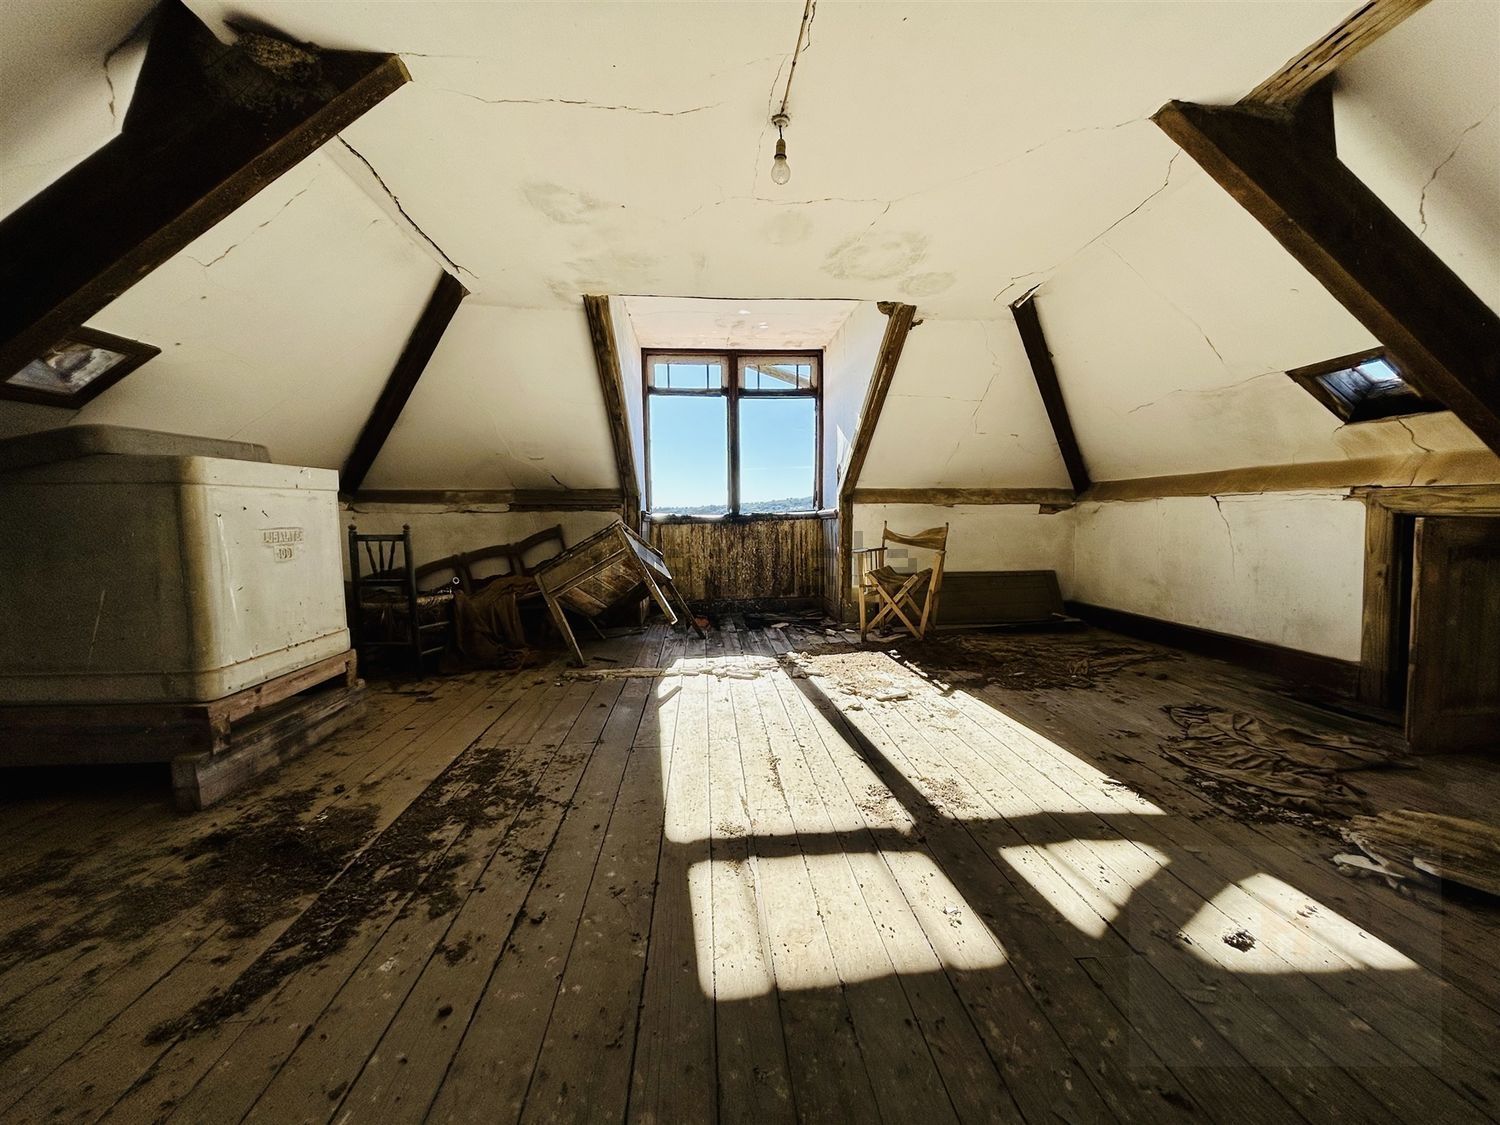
(933, 539)
(515, 556)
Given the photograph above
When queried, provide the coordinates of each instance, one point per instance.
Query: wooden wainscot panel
(744, 559)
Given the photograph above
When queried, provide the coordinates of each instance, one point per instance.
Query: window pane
(689, 455)
(767, 373)
(778, 452)
(687, 373)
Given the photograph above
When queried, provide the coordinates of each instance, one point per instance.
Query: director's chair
(894, 592)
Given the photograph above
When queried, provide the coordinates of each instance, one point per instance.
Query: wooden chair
(896, 593)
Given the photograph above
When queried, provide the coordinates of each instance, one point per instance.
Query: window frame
(1371, 408)
(733, 359)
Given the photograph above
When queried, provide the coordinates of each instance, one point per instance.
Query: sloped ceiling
(951, 155)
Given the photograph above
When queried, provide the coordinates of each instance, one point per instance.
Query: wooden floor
(750, 886)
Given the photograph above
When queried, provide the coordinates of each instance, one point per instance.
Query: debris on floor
(1270, 773)
(1019, 663)
(1408, 844)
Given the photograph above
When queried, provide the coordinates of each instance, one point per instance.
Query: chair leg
(863, 628)
(561, 621)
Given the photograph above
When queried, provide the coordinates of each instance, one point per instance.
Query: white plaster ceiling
(938, 150)
(704, 322)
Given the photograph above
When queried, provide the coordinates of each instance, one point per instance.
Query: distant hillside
(790, 504)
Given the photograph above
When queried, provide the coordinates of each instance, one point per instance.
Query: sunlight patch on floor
(1087, 882)
(734, 952)
(1240, 929)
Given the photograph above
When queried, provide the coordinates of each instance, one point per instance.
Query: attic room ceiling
(948, 154)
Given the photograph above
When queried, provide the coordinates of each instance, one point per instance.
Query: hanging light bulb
(781, 171)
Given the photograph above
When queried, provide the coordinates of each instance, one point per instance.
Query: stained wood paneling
(771, 558)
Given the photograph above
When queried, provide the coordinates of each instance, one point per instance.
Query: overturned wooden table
(601, 571)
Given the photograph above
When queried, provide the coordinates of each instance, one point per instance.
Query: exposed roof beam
(1297, 78)
(208, 127)
(1030, 327)
(1279, 165)
(410, 364)
(898, 326)
(612, 386)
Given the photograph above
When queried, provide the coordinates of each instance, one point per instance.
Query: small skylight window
(1363, 387)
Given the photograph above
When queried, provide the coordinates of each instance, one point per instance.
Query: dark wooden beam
(208, 127)
(1297, 78)
(1279, 166)
(612, 386)
(420, 345)
(1030, 327)
(515, 499)
(898, 326)
(948, 497)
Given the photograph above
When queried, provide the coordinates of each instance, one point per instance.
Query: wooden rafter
(1298, 77)
(420, 345)
(949, 497)
(1030, 327)
(612, 387)
(1280, 166)
(208, 127)
(898, 327)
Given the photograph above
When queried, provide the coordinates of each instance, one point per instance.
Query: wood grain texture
(612, 387)
(513, 499)
(746, 889)
(1388, 473)
(423, 341)
(762, 558)
(1360, 29)
(951, 497)
(899, 324)
(208, 127)
(1029, 325)
(1285, 174)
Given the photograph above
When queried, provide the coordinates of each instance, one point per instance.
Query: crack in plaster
(1458, 143)
(1229, 532)
(579, 103)
(109, 57)
(1402, 423)
(1165, 183)
(233, 246)
(397, 202)
(1172, 305)
(1199, 391)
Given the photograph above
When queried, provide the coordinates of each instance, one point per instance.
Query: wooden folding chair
(896, 593)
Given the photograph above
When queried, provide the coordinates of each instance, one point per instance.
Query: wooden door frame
(1390, 515)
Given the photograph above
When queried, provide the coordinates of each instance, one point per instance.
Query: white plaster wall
(1286, 568)
(279, 325)
(438, 530)
(65, 81)
(980, 537)
(848, 363)
(1418, 120)
(963, 411)
(510, 399)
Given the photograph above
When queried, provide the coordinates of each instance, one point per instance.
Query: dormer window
(1363, 387)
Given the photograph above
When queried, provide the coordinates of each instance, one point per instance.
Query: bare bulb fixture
(781, 171)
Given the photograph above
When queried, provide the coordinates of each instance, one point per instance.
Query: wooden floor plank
(674, 1072)
(756, 885)
(829, 1078)
(117, 1020)
(316, 1029)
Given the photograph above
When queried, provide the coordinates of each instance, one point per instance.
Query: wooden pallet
(213, 747)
